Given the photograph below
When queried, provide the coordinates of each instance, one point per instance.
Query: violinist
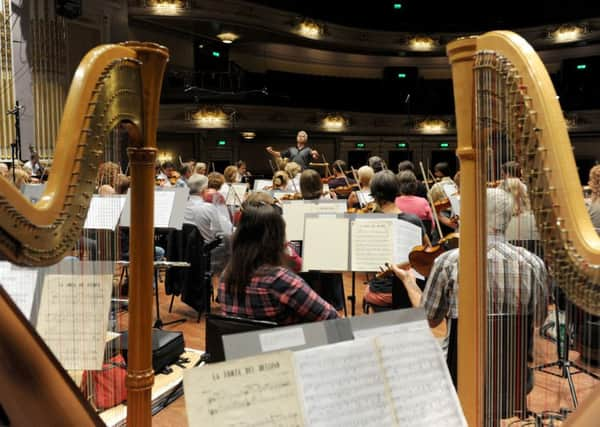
(301, 153)
(163, 173)
(517, 286)
(409, 202)
(34, 164)
(311, 186)
(280, 181)
(185, 171)
(362, 197)
(407, 165)
(339, 179)
(439, 198)
(293, 170)
(385, 189)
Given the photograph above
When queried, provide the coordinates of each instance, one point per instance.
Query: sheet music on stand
(72, 313)
(392, 374)
(169, 207)
(451, 191)
(104, 212)
(21, 284)
(33, 192)
(294, 211)
(356, 242)
(262, 184)
(236, 194)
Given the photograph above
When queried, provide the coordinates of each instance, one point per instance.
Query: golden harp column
(7, 99)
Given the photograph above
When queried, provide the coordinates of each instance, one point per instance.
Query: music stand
(562, 351)
(169, 207)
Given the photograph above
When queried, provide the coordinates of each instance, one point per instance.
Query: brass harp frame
(571, 245)
(35, 390)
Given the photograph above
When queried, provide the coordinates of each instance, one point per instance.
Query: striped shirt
(276, 294)
(516, 282)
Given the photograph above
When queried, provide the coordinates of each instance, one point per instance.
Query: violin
(368, 208)
(422, 257)
(442, 204)
(292, 196)
(344, 191)
(174, 177)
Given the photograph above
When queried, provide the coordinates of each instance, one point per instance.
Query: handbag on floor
(106, 388)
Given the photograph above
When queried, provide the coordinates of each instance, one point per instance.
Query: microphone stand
(16, 145)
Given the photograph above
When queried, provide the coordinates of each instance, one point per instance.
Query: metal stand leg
(158, 324)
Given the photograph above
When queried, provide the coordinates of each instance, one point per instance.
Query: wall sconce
(334, 122)
(567, 33)
(432, 126)
(248, 135)
(421, 43)
(228, 38)
(165, 156)
(310, 29)
(210, 117)
(166, 6)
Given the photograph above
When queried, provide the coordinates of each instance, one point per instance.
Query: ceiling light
(228, 38)
(166, 6)
(210, 116)
(432, 126)
(334, 122)
(421, 43)
(567, 33)
(310, 29)
(248, 135)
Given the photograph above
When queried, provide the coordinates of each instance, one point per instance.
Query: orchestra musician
(385, 188)
(518, 287)
(362, 197)
(255, 283)
(437, 193)
(301, 153)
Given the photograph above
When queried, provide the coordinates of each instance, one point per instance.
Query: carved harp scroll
(114, 83)
(541, 143)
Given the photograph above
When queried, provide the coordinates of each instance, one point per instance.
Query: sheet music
(418, 377)
(372, 243)
(19, 283)
(236, 194)
(364, 197)
(406, 237)
(33, 192)
(325, 245)
(343, 385)
(73, 318)
(163, 205)
(262, 184)
(104, 212)
(294, 211)
(279, 339)
(451, 191)
(258, 391)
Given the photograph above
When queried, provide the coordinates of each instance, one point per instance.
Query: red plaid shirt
(276, 294)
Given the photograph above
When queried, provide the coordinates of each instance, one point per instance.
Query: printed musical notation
(372, 244)
(163, 206)
(104, 212)
(258, 391)
(20, 284)
(73, 318)
(394, 376)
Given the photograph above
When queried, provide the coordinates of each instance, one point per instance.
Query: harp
(113, 84)
(504, 95)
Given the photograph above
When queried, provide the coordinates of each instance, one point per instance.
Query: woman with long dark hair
(255, 283)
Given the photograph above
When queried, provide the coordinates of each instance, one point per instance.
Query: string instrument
(370, 207)
(113, 84)
(422, 257)
(292, 196)
(442, 205)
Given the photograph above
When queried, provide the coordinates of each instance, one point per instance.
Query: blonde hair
(518, 191)
(594, 182)
(280, 180)
(293, 169)
(365, 175)
(200, 167)
(216, 180)
(230, 173)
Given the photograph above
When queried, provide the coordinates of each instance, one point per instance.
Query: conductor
(301, 153)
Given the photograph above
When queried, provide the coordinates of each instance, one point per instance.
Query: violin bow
(344, 175)
(433, 212)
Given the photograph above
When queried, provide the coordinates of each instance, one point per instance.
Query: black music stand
(158, 323)
(563, 338)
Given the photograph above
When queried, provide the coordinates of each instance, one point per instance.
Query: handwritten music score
(20, 284)
(73, 318)
(393, 375)
(257, 391)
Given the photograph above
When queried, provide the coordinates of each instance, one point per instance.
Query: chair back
(218, 325)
